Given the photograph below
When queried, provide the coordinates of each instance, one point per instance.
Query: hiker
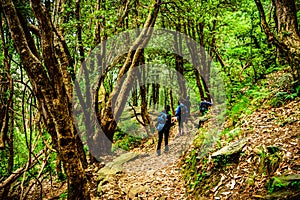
(181, 113)
(204, 107)
(163, 126)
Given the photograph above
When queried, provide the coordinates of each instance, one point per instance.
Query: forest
(84, 86)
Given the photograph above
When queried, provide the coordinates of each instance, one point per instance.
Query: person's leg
(179, 125)
(160, 137)
(166, 135)
(182, 126)
(201, 113)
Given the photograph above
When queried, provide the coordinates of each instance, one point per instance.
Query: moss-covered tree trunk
(143, 93)
(49, 84)
(118, 97)
(288, 38)
(179, 60)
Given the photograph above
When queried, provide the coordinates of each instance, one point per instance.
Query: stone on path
(231, 149)
(115, 167)
(134, 191)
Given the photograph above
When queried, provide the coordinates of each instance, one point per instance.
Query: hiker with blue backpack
(163, 125)
(181, 114)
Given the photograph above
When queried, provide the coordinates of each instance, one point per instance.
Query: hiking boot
(158, 153)
(166, 149)
(182, 132)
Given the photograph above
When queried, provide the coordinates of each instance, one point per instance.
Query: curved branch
(135, 114)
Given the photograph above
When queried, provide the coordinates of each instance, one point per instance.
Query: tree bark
(195, 56)
(143, 92)
(179, 61)
(287, 25)
(50, 90)
(288, 39)
(119, 95)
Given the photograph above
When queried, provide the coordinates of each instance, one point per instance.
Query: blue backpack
(161, 120)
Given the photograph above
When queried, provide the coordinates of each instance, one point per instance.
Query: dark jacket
(204, 106)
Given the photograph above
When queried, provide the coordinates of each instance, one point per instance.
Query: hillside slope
(268, 167)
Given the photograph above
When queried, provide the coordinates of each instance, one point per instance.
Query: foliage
(127, 136)
(229, 31)
(276, 184)
(127, 142)
(63, 195)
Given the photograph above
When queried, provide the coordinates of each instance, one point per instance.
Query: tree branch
(16, 174)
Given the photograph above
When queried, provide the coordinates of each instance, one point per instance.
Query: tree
(118, 97)
(49, 78)
(287, 39)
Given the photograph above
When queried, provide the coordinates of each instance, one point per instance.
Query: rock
(115, 167)
(106, 171)
(285, 187)
(285, 181)
(231, 149)
(107, 179)
(124, 158)
(282, 195)
(100, 190)
(162, 198)
(135, 190)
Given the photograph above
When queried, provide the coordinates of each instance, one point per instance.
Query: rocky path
(147, 176)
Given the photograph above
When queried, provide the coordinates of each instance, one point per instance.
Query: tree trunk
(119, 95)
(157, 92)
(143, 92)
(287, 25)
(288, 40)
(51, 93)
(179, 62)
(135, 97)
(195, 56)
(172, 102)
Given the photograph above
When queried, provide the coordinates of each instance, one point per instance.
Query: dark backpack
(202, 107)
(183, 111)
(161, 121)
(187, 103)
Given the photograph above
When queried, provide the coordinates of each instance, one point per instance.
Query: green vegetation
(282, 183)
(69, 69)
(126, 142)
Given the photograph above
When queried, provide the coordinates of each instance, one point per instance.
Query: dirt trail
(150, 176)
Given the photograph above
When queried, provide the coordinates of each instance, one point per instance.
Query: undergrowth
(198, 171)
(127, 136)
